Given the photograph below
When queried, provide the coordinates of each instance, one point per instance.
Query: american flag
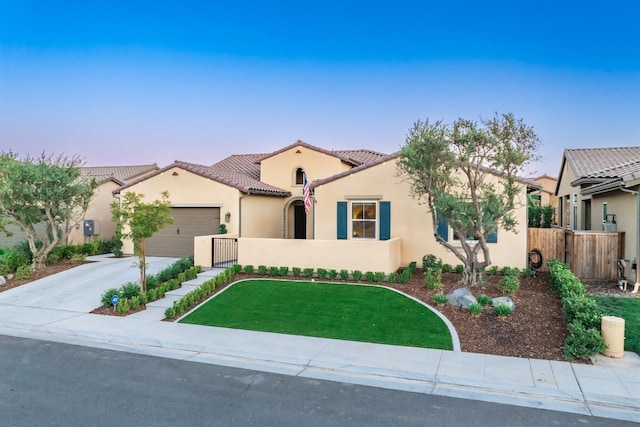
(306, 193)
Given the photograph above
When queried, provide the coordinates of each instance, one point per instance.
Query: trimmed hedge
(582, 314)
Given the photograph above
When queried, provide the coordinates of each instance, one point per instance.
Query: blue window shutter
(442, 227)
(493, 237)
(342, 220)
(385, 220)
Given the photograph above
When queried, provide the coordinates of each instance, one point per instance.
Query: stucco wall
(262, 216)
(280, 169)
(410, 221)
(330, 254)
(566, 217)
(100, 211)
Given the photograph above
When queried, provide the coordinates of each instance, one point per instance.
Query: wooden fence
(590, 254)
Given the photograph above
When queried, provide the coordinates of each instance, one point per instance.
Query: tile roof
(121, 174)
(242, 163)
(602, 164)
(353, 157)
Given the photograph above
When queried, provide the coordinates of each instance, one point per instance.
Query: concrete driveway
(79, 289)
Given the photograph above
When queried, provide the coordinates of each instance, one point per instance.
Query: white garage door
(176, 240)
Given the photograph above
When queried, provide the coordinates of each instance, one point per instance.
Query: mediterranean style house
(599, 189)
(359, 213)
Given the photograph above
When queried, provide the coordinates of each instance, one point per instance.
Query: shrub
(440, 299)
(447, 268)
(262, 270)
(394, 277)
(583, 310)
(333, 274)
(459, 268)
(526, 272)
(248, 269)
(510, 271)
(284, 271)
(135, 303)
(344, 274)
(308, 272)
(369, 276)
(379, 276)
(412, 266)
(475, 308)
(236, 268)
(582, 342)
(322, 273)
(406, 275)
(274, 271)
(509, 284)
(433, 278)
(170, 313)
(493, 271)
(502, 310)
(483, 300)
(24, 272)
(123, 306)
(357, 275)
(129, 289)
(296, 271)
(431, 261)
(547, 215)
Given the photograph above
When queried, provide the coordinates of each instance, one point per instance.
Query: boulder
(503, 300)
(2, 280)
(461, 297)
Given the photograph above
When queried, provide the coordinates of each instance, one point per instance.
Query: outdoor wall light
(175, 173)
(227, 217)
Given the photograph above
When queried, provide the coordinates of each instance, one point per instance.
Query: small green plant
(483, 300)
(412, 266)
(379, 276)
(394, 277)
(431, 261)
(357, 275)
(406, 275)
(78, 258)
(248, 269)
(526, 272)
(344, 274)
(510, 271)
(333, 274)
(446, 268)
(433, 278)
(129, 289)
(459, 268)
(284, 271)
(493, 270)
(502, 310)
(583, 342)
(369, 276)
(475, 309)
(24, 272)
(222, 229)
(262, 270)
(308, 273)
(296, 271)
(170, 313)
(322, 273)
(509, 284)
(123, 306)
(274, 271)
(105, 299)
(440, 299)
(135, 303)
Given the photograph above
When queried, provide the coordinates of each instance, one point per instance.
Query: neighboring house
(547, 192)
(598, 190)
(108, 178)
(361, 215)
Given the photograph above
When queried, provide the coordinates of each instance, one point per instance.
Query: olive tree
(45, 190)
(467, 173)
(138, 221)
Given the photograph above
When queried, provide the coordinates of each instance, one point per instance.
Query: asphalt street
(52, 384)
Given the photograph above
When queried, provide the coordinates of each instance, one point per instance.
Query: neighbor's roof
(596, 165)
(120, 174)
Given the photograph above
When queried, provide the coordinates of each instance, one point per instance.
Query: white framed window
(364, 220)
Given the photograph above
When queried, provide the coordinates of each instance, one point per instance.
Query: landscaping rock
(461, 297)
(2, 280)
(503, 300)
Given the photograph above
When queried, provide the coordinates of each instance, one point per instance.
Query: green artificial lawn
(629, 310)
(327, 310)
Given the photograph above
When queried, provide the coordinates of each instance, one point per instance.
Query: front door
(300, 222)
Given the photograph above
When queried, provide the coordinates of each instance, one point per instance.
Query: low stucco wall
(372, 255)
(202, 249)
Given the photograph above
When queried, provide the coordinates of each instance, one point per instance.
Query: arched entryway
(294, 219)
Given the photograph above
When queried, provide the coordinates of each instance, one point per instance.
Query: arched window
(299, 178)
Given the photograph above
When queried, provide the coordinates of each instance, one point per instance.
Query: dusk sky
(141, 82)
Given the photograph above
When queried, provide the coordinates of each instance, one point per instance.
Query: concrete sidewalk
(611, 388)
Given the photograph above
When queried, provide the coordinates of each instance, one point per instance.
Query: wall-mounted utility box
(91, 227)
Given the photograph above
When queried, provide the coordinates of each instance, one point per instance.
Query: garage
(176, 240)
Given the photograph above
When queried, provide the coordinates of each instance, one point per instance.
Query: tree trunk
(143, 268)
(472, 274)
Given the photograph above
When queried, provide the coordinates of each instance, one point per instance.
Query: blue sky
(143, 82)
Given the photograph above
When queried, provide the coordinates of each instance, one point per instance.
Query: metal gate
(224, 251)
